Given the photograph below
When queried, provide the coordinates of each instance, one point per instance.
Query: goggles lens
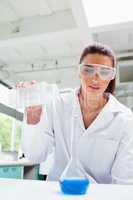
(105, 73)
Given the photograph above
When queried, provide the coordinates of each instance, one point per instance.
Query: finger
(19, 85)
(26, 84)
(33, 82)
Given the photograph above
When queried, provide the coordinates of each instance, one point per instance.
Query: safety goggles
(104, 72)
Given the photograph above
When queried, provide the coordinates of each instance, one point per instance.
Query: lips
(94, 87)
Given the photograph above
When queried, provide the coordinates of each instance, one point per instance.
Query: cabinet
(11, 172)
(19, 171)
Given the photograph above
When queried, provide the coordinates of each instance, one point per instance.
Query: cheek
(104, 84)
(84, 80)
(87, 81)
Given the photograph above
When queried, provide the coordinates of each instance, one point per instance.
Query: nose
(95, 76)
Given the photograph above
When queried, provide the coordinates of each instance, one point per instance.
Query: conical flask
(74, 179)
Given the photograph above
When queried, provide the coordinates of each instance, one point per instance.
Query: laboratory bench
(14, 189)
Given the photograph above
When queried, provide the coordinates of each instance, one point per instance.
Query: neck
(92, 102)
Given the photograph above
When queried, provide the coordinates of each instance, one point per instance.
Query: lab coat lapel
(102, 120)
(76, 114)
(104, 117)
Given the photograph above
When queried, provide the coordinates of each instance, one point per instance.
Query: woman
(103, 126)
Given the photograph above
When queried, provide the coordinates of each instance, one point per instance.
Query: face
(95, 84)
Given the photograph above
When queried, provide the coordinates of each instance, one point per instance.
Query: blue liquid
(74, 186)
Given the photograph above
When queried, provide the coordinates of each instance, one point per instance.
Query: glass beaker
(33, 95)
(28, 96)
(33, 100)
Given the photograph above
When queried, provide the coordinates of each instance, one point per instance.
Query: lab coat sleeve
(38, 140)
(122, 170)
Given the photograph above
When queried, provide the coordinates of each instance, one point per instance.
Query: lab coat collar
(105, 116)
(113, 104)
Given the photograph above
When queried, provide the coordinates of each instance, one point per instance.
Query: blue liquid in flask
(74, 186)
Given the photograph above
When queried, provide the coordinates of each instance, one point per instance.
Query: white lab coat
(105, 148)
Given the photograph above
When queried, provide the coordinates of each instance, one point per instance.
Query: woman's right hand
(33, 113)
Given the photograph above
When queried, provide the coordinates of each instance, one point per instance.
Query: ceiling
(39, 35)
(43, 40)
(13, 10)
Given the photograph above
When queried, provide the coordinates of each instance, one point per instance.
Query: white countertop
(18, 162)
(41, 190)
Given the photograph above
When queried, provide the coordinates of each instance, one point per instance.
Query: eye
(89, 68)
(105, 71)
(86, 69)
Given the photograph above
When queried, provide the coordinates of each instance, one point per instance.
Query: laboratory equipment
(74, 179)
(33, 95)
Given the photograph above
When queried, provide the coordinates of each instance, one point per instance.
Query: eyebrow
(102, 66)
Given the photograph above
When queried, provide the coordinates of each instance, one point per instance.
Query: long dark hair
(101, 49)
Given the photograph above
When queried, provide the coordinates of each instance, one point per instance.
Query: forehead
(97, 59)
